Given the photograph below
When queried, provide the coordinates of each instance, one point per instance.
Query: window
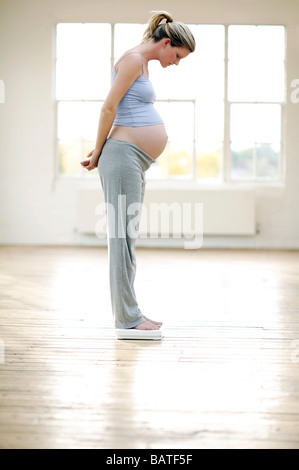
(83, 70)
(223, 106)
(255, 99)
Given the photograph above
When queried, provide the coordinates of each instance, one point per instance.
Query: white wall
(34, 208)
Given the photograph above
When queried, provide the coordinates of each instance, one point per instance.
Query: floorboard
(225, 375)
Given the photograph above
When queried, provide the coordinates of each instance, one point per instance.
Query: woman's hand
(92, 161)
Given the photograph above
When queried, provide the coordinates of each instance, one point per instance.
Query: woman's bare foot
(152, 321)
(147, 325)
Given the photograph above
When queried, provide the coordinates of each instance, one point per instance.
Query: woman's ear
(166, 42)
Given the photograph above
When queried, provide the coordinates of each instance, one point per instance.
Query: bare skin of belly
(151, 139)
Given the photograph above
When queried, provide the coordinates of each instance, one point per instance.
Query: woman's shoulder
(130, 58)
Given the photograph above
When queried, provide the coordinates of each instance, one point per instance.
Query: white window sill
(93, 182)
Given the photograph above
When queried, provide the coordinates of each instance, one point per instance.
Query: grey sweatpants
(122, 167)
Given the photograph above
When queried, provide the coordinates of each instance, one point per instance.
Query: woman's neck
(149, 50)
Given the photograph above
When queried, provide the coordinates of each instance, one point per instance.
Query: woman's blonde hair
(161, 25)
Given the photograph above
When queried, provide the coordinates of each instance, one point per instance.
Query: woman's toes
(147, 325)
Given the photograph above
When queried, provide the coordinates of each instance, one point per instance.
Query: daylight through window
(222, 106)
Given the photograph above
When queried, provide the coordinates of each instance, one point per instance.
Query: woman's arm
(105, 123)
(128, 71)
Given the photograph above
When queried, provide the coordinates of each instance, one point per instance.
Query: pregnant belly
(151, 139)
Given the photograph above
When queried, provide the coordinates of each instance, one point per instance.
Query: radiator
(210, 211)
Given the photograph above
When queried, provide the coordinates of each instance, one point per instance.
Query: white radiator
(212, 212)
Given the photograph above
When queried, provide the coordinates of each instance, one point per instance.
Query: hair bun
(159, 28)
(158, 18)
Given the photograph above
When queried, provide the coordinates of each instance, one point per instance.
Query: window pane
(209, 61)
(178, 157)
(176, 161)
(174, 82)
(262, 42)
(242, 162)
(267, 156)
(209, 139)
(256, 63)
(77, 127)
(209, 41)
(259, 161)
(255, 123)
(83, 69)
(255, 140)
(127, 36)
(200, 75)
(242, 125)
(242, 140)
(208, 162)
(209, 123)
(268, 123)
(256, 82)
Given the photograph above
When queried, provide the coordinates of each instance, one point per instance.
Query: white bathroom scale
(131, 333)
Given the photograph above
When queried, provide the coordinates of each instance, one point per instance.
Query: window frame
(227, 160)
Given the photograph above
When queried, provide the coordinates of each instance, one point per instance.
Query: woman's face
(172, 55)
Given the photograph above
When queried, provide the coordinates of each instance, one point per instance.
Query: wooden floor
(226, 374)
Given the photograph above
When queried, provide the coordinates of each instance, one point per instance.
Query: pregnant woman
(131, 135)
